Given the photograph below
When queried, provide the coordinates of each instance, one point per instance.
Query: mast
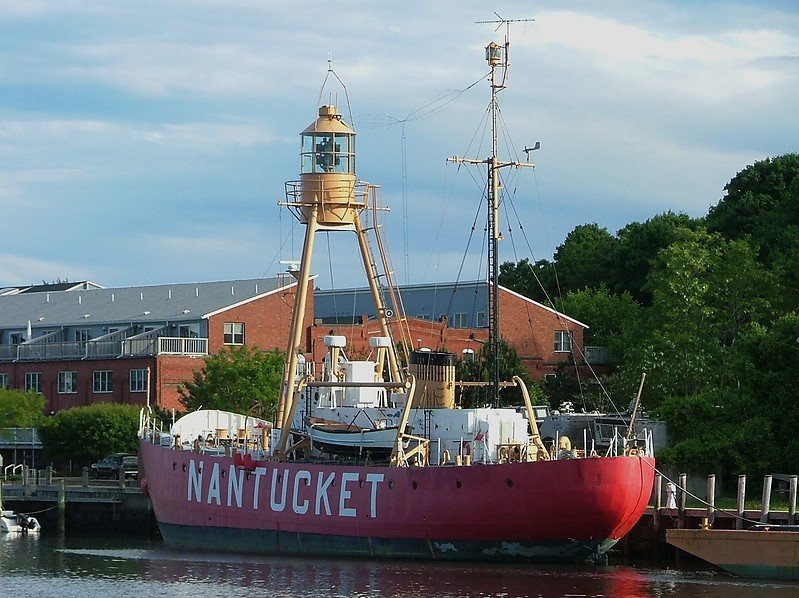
(497, 57)
(328, 197)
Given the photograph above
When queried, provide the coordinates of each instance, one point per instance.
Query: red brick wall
(528, 327)
(267, 321)
(85, 369)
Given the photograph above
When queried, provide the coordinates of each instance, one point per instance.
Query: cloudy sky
(148, 142)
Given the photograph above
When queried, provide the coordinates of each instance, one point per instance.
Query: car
(112, 465)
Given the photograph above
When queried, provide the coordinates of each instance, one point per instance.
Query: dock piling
(740, 504)
(765, 505)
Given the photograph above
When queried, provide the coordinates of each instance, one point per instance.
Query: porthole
(184, 467)
(391, 483)
(458, 484)
(174, 466)
(509, 483)
(415, 484)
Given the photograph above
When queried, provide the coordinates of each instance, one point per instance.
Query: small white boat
(353, 441)
(18, 523)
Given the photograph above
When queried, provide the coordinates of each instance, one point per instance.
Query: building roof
(158, 303)
(80, 285)
(469, 300)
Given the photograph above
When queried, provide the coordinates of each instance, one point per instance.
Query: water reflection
(31, 566)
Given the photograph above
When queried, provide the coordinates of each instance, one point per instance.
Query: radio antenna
(505, 62)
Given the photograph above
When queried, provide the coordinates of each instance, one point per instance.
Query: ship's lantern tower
(494, 54)
(327, 176)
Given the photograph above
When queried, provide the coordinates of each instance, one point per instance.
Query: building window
(234, 333)
(103, 381)
(189, 331)
(138, 380)
(17, 338)
(460, 320)
(67, 382)
(467, 355)
(481, 319)
(33, 382)
(83, 336)
(3, 380)
(563, 341)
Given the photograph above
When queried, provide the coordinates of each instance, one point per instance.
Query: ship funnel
(435, 378)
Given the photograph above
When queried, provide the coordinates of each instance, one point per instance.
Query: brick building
(454, 317)
(79, 343)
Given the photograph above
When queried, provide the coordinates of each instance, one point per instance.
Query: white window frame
(138, 380)
(460, 320)
(189, 331)
(3, 380)
(67, 383)
(563, 341)
(33, 381)
(103, 381)
(232, 332)
(482, 321)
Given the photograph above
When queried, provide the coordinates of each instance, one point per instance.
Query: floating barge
(767, 552)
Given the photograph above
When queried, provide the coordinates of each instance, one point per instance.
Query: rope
(735, 515)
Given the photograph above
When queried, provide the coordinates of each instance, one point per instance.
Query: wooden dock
(76, 504)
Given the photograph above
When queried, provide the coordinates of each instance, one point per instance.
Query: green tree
(84, 434)
(479, 370)
(20, 409)
(612, 319)
(583, 260)
(536, 281)
(768, 365)
(705, 292)
(761, 206)
(638, 245)
(237, 379)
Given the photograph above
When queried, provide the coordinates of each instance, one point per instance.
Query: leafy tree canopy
(638, 245)
(612, 319)
(85, 434)
(20, 409)
(584, 258)
(479, 370)
(237, 379)
(762, 205)
(536, 281)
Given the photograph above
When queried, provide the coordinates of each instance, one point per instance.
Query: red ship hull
(548, 511)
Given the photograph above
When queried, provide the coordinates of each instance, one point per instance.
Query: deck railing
(148, 344)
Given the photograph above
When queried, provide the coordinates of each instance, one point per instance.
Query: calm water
(101, 568)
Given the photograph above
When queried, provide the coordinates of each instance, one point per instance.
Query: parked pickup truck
(111, 466)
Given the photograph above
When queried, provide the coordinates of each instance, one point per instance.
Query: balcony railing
(136, 346)
(596, 355)
(11, 438)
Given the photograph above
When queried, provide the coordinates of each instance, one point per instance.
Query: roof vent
(146, 313)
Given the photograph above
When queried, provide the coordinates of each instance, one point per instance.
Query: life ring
(444, 457)
(503, 453)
